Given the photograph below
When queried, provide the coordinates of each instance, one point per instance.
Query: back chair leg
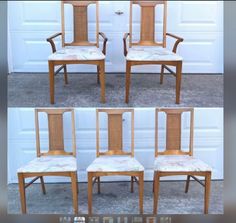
(21, 182)
(132, 185)
(90, 192)
(162, 74)
(141, 187)
(99, 187)
(42, 185)
(65, 75)
(207, 192)
(156, 192)
(98, 77)
(187, 184)
(74, 191)
(127, 84)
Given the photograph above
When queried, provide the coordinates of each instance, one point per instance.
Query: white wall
(200, 23)
(208, 139)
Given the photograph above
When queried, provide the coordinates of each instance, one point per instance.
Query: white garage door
(200, 23)
(208, 138)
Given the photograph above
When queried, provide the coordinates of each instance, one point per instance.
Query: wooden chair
(174, 161)
(115, 161)
(80, 50)
(147, 50)
(56, 161)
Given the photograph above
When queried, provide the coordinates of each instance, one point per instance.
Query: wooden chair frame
(80, 39)
(147, 38)
(56, 147)
(115, 148)
(173, 147)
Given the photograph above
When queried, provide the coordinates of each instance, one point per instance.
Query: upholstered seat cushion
(152, 54)
(78, 53)
(50, 164)
(174, 163)
(115, 164)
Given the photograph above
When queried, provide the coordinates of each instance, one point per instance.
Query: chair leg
(156, 192)
(132, 185)
(162, 74)
(102, 81)
(187, 184)
(99, 188)
(127, 83)
(65, 74)
(153, 182)
(90, 192)
(98, 75)
(42, 185)
(74, 191)
(51, 81)
(141, 186)
(207, 192)
(178, 81)
(21, 182)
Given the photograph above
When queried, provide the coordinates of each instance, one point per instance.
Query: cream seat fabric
(50, 164)
(78, 53)
(151, 53)
(115, 164)
(178, 163)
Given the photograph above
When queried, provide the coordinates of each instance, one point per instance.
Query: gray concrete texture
(32, 90)
(115, 198)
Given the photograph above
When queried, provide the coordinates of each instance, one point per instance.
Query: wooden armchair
(147, 50)
(173, 161)
(80, 50)
(115, 161)
(55, 162)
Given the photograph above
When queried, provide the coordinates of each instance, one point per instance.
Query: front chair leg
(141, 187)
(102, 81)
(21, 182)
(156, 192)
(187, 184)
(127, 83)
(98, 75)
(42, 185)
(74, 191)
(207, 192)
(178, 80)
(90, 192)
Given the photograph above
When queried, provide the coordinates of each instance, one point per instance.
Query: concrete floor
(32, 90)
(115, 198)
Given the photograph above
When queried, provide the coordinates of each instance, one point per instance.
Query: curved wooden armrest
(178, 40)
(50, 40)
(124, 41)
(105, 39)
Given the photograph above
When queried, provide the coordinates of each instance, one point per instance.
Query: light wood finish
(115, 142)
(55, 129)
(173, 147)
(148, 38)
(80, 38)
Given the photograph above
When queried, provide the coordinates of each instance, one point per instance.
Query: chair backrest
(147, 22)
(55, 132)
(80, 17)
(115, 131)
(173, 131)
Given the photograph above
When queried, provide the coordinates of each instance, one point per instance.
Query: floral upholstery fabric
(50, 164)
(115, 164)
(174, 163)
(78, 53)
(151, 54)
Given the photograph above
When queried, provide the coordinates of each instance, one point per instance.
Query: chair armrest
(105, 39)
(50, 40)
(124, 41)
(178, 40)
